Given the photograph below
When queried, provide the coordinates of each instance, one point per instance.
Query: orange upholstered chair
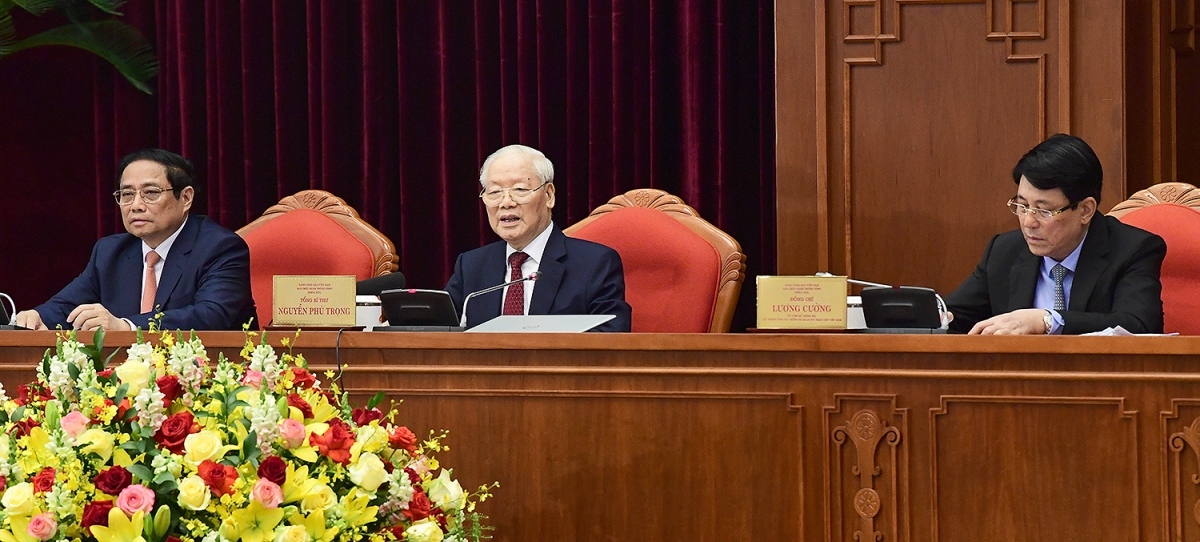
(1172, 210)
(312, 233)
(682, 274)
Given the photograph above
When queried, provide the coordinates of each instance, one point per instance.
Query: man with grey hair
(574, 276)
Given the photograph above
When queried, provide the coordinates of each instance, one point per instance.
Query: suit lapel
(550, 270)
(177, 260)
(130, 269)
(1022, 280)
(484, 275)
(1092, 264)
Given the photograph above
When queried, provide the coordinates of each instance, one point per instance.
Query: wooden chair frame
(1178, 193)
(336, 208)
(733, 261)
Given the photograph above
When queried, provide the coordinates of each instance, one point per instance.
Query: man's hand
(30, 319)
(94, 316)
(1018, 322)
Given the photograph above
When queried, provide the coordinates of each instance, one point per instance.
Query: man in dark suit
(575, 276)
(1068, 269)
(188, 268)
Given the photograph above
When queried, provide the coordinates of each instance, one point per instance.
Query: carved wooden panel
(1045, 468)
(867, 471)
(1181, 465)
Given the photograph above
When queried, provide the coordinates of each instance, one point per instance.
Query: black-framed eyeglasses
(1020, 209)
(519, 196)
(150, 194)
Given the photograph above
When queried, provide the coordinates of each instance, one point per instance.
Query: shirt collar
(165, 246)
(1070, 262)
(535, 248)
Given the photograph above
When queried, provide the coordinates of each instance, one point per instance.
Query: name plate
(313, 300)
(801, 302)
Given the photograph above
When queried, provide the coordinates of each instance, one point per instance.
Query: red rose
(25, 425)
(413, 477)
(218, 477)
(95, 513)
(3, 483)
(302, 378)
(419, 507)
(402, 439)
(336, 441)
(274, 469)
(112, 480)
(173, 539)
(27, 393)
(398, 531)
(175, 430)
(294, 400)
(107, 373)
(44, 481)
(171, 389)
(362, 416)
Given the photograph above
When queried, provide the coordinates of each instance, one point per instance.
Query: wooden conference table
(633, 437)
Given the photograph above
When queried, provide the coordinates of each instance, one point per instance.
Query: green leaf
(120, 396)
(36, 7)
(250, 447)
(8, 31)
(98, 339)
(141, 471)
(374, 402)
(73, 372)
(108, 6)
(164, 476)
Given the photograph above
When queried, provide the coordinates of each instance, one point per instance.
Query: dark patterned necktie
(1060, 299)
(514, 300)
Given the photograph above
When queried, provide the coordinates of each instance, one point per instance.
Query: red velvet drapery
(393, 106)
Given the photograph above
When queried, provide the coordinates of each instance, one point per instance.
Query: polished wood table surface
(769, 437)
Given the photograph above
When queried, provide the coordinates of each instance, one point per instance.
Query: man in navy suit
(185, 270)
(575, 276)
(1068, 269)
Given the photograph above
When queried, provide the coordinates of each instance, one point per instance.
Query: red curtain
(394, 105)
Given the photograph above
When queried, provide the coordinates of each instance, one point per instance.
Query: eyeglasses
(519, 196)
(152, 194)
(1039, 214)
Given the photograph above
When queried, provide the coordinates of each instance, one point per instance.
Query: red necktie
(514, 300)
(151, 287)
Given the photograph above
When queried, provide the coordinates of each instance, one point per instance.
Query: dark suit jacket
(205, 282)
(577, 277)
(1116, 281)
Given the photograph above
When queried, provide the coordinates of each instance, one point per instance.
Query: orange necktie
(151, 288)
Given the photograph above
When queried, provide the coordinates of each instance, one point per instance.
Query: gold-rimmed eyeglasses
(150, 194)
(519, 195)
(1021, 209)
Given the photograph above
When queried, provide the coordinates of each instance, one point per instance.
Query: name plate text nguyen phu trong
(801, 302)
(313, 300)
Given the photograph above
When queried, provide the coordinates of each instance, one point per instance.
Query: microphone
(373, 286)
(463, 322)
(852, 281)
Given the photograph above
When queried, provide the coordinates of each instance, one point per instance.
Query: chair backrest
(312, 233)
(1172, 210)
(682, 274)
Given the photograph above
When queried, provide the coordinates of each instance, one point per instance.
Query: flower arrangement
(167, 447)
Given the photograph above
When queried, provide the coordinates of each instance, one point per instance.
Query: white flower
(149, 406)
(264, 420)
(264, 360)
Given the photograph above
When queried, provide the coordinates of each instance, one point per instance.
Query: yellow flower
(292, 533)
(194, 493)
(252, 524)
(18, 500)
(97, 441)
(121, 528)
(372, 438)
(203, 445)
(426, 530)
(136, 374)
(320, 497)
(447, 493)
(356, 512)
(368, 472)
(314, 525)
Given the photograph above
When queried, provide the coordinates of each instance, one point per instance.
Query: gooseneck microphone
(852, 281)
(463, 322)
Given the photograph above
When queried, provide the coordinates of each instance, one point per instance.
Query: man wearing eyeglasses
(1068, 269)
(185, 270)
(574, 276)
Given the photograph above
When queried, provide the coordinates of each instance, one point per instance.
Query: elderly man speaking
(575, 276)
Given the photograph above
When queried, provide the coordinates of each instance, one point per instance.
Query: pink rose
(267, 492)
(74, 423)
(42, 526)
(134, 498)
(292, 432)
(253, 379)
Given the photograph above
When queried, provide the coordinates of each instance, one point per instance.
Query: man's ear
(185, 197)
(550, 195)
(1088, 208)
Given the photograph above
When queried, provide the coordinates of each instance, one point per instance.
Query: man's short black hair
(180, 172)
(1065, 162)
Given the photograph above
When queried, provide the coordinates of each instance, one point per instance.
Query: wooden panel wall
(900, 121)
